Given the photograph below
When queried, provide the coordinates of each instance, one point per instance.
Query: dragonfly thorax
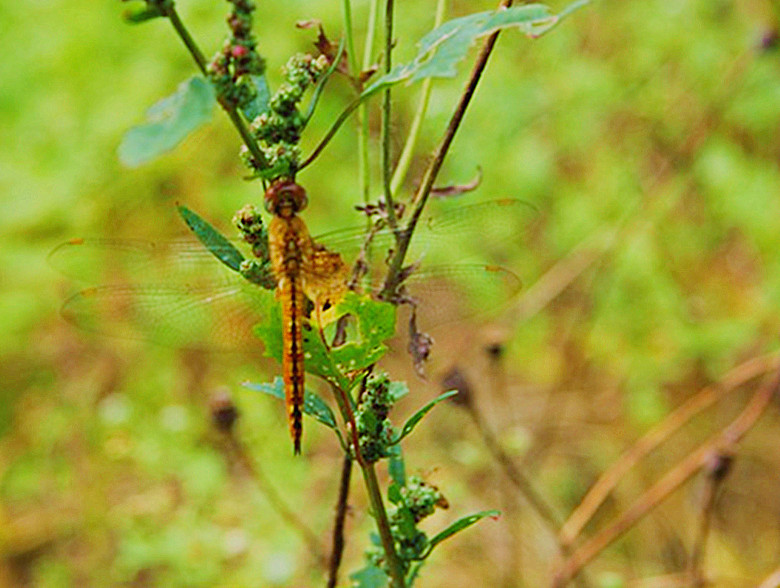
(285, 198)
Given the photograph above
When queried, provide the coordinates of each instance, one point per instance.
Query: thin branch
(673, 479)
(394, 274)
(394, 565)
(331, 132)
(337, 548)
(717, 470)
(405, 159)
(231, 110)
(387, 104)
(350, 37)
(549, 517)
(240, 454)
(363, 129)
(706, 397)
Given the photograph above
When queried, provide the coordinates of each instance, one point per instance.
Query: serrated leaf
(169, 121)
(212, 239)
(376, 324)
(411, 423)
(259, 104)
(313, 405)
(369, 577)
(444, 47)
(457, 527)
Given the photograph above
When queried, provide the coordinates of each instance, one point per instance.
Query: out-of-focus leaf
(397, 390)
(394, 493)
(442, 49)
(313, 405)
(369, 577)
(396, 465)
(212, 239)
(169, 121)
(411, 423)
(458, 526)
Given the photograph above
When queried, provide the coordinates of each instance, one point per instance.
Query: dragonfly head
(285, 198)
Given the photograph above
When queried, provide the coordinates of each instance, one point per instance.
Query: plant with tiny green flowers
(271, 125)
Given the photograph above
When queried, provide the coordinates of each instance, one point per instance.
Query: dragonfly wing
(216, 316)
(446, 294)
(116, 261)
(485, 231)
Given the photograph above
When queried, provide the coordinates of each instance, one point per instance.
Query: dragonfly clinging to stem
(302, 269)
(174, 292)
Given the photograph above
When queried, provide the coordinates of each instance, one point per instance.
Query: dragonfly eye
(285, 197)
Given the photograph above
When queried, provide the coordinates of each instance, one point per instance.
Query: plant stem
(539, 505)
(420, 198)
(350, 38)
(363, 130)
(372, 486)
(673, 479)
(230, 109)
(237, 451)
(717, 470)
(337, 549)
(383, 526)
(386, 114)
(405, 159)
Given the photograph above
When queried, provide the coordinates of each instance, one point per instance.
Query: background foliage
(644, 132)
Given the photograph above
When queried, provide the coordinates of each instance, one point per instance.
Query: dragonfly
(177, 294)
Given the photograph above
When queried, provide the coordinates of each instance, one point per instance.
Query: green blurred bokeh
(645, 133)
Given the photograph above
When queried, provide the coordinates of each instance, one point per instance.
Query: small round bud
(224, 413)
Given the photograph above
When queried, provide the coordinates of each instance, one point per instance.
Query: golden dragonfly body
(303, 269)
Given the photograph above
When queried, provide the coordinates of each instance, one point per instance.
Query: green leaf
(459, 526)
(394, 493)
(259, 104)
(212, 239)
(444, 47)
(376, 324)
(313, 405)
(410, 424)
(396, 465)
(369, 577)
(397, 390)
(169, 121)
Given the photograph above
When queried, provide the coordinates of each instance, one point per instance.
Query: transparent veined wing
(178, 294)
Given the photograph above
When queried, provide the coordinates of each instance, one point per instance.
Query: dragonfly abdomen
(288, 242)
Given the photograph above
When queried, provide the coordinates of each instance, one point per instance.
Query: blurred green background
(646, 135)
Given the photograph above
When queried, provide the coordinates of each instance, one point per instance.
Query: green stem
(394, 565)
(187, 39)
(394, 273)
(350, 38)
(386, 114)
(230, 109)
(405, 159)
(363, 130)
